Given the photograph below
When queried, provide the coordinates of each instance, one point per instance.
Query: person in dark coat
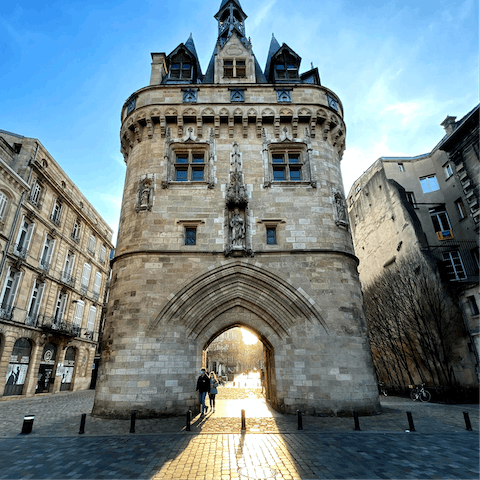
(203, 387)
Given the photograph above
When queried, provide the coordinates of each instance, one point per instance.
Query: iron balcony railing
(44, 265)
(91, 251)
(66, 277)
(75, 238)
(95, 296)
(57, 324)
(20, 251)
(83, 289)
(31, 320)
(6, 313)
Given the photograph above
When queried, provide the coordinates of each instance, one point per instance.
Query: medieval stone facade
(427, 204)
(54, 270)
(234, 215)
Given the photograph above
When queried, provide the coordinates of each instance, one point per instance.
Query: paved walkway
(217, 449)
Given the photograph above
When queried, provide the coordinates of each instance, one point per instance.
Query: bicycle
(419, 393)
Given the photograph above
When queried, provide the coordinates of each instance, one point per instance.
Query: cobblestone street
(272, 447)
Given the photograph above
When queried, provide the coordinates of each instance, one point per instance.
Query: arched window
(18, 367)
(3, 205)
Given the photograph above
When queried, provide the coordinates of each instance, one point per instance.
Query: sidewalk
(215, 449)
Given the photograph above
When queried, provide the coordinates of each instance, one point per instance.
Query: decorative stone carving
(340, 209)
(284, 96)
(149, 127)
(189, 95)
(145, 192)
(237, 95)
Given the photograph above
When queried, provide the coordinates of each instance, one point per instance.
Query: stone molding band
(221, 252)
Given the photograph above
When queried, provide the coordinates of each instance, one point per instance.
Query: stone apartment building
(54, 272)
(234, 214)
(427, 204)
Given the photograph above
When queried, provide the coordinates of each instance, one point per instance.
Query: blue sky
(66, 68)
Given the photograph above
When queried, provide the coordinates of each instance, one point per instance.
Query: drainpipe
(17, 214)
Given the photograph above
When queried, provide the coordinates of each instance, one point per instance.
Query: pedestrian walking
(213, 390)
(203, 387)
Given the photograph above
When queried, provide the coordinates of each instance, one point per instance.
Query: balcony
(6, 313)
(44, 265)
(75, 238)
(31, 320)
(83, 289)
(91, 251)
(95, 296)
(67, 278)
(58, 325)
(20, 251)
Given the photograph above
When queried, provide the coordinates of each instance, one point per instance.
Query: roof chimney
(449, 124)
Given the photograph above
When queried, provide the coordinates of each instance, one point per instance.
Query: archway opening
(243, 362)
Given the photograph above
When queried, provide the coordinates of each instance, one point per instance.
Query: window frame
(56, 214)
(401, 168)
(91, 319)
(78, 315)
(428, 182)
(190, 166)
(24, 237)
(448, 170)
(45, 260)
(411, 199)
(76, 229)
(461, 210)
(187, 229)
(436, 216)
(36, 193)
(35, 301)
(271, 228)
(235, 67)
(452, 264)
(3, 205)
(15, 276)
(286, 152)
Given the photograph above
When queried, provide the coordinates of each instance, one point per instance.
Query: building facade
(233, 214)
(427, 204)
(53, 273)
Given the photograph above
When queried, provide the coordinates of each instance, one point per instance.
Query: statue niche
(236, 204)
(145, 193)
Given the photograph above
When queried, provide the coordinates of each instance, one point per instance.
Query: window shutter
(3, 204)
(103, 253)
(50, 251)
(86, 274)
(91, 319)
(98, 282)
(4, 288)
(77, 320)
(28, 238)
(38, 300)
(13, 291)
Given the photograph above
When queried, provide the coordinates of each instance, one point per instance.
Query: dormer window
(234, 68)
(181, 70)
(286, 67)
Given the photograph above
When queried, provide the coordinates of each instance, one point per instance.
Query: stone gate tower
(234, 215)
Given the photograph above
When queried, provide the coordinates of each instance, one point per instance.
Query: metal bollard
(244, 427)
(189, 418)
(411, 426)
(299, 418)
(82, 423)
(467, 421)
(27, 424)
(133, 417)
(355, 417)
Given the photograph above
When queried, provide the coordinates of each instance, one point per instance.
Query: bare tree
(413, 322)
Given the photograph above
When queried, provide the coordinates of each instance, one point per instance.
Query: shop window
(18, 367)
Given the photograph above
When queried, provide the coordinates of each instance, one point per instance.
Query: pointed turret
(230, 17)
(274, 47)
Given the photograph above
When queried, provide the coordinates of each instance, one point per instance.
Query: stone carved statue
(340, 210)
(237, 225)
(145, 196)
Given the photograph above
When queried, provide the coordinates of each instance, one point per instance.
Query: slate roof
(274, 47)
